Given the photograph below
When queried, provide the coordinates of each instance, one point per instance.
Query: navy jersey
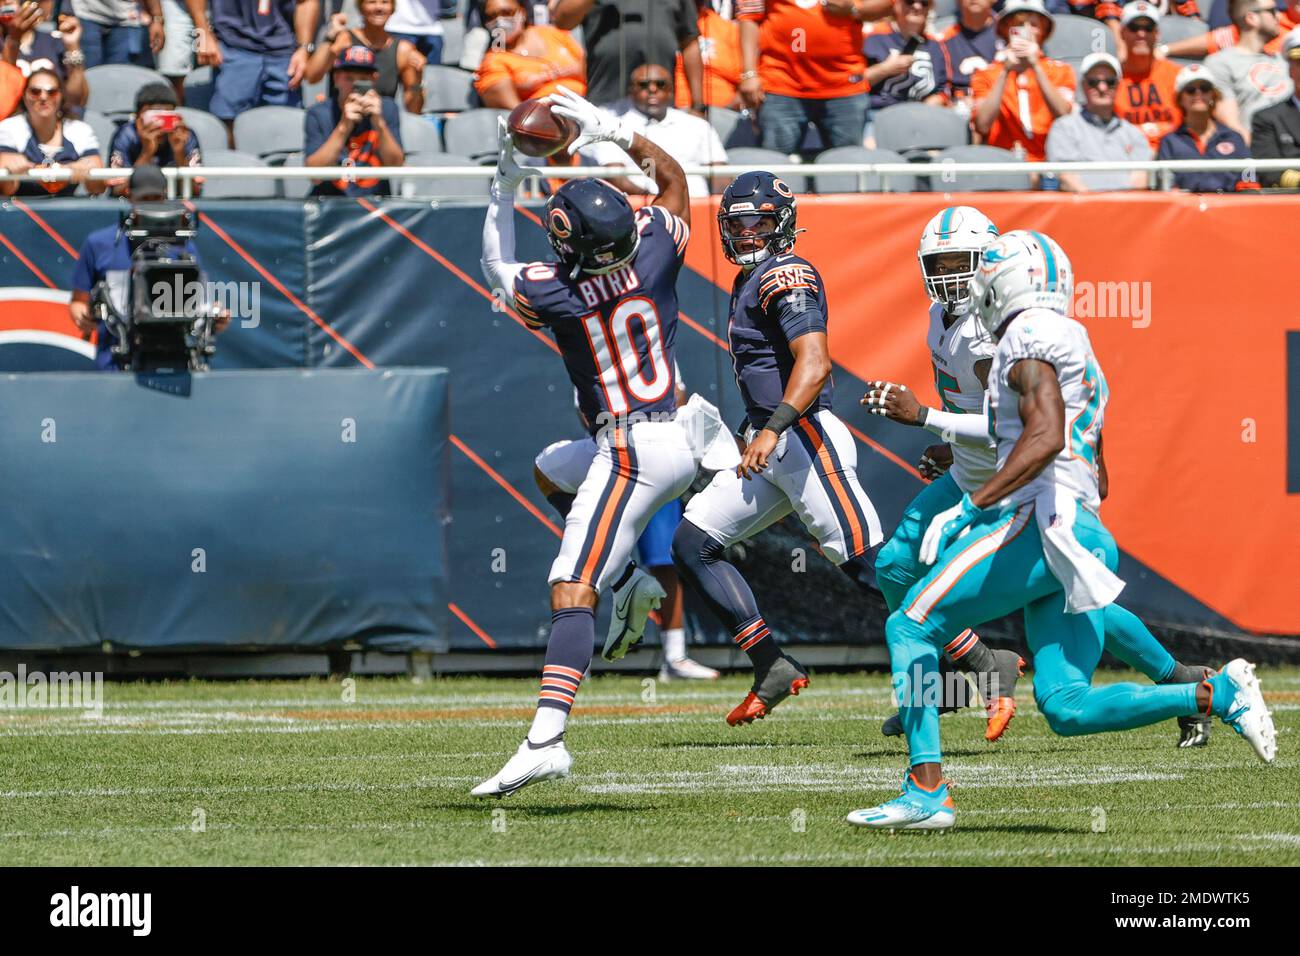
(615, 331)
(773, 304)
(928, 74)
(966, 52)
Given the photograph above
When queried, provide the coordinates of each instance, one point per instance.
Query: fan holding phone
(903, 62)
(157, 136)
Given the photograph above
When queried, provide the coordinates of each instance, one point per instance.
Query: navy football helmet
(591, 226)
(751, 202)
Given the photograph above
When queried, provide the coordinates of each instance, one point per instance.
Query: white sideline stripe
(425, 783)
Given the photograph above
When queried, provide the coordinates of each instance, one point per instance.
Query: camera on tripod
(168, 321)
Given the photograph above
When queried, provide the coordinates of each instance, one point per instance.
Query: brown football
(536, 130)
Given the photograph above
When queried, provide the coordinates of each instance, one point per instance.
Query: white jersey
(1051, 337)
(954, 352)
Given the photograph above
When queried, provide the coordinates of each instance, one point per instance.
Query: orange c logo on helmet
(560, 224)
(780, 186)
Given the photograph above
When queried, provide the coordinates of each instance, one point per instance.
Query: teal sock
(1128, 639)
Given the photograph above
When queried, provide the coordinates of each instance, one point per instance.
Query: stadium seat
(761, 158)
(198, 88)
(222, 188)
(733, 128)
(1078, 36)
(869, 183)
(294, 188)
(269, 131)
(957, 182)
(419, 134)
(913, 127)
(453, 40)
(104, 127)
(472, 133)
(313, 93)
(210, 130)
(443, 188)
(447, 89)
(113, 87)
(1174, 28)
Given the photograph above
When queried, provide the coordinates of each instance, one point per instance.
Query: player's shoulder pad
(787, 273)
(648, 217)
(980, 344)
(1038, 334)
(534, 285)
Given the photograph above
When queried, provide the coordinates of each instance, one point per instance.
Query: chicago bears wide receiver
(799, 457)
(611, 303)
(1036, 519)
(961, 354)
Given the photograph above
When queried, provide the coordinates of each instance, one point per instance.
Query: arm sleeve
(962, 428)
(119, 153)
(83, 270)
(500, 267)
(1061, 146)
(8, 144)
(490, 72)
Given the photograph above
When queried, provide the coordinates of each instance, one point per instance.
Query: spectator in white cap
(1275, 130)
(1200, 137)
(1095, 134)
(1251, 78)
(1146, 96)
(1018, 97)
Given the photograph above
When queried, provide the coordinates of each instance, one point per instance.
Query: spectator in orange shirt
(1018, 98)
(526, 61)
(805, 65)
(1146, 96)
(11, 88)
(720, 51)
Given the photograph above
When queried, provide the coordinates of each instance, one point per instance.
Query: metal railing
(1160, 172)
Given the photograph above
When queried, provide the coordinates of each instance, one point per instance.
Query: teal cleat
(914, 809)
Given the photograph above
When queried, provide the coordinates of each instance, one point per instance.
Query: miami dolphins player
(961, 354)
(1029, 539)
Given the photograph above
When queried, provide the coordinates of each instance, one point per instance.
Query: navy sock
(568, 653)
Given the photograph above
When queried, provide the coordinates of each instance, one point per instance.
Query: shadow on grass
(476, 808)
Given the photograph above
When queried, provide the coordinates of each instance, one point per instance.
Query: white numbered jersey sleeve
(953, 353)
(1063, 343)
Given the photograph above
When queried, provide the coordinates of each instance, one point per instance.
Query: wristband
(73, 59)
(781, 419)
(748, 75)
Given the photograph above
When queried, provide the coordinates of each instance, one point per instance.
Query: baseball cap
(1093, 59)
(1139, 10)
(1025, 6)
(1195, 73)
(146, 180)
(356, 57)
(1291, 45)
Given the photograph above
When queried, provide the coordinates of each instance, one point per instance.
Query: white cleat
(686, 669)
(633, 602)
(529, 765)
(1247, 713)
(913, 809)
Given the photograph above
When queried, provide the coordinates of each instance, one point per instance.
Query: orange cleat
(1000, 710)
(784, 678)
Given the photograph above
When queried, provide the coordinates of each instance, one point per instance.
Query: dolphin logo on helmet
(1021, 270)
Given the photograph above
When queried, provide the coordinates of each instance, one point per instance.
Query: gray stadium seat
(104, 128)
(911, 127)
(733, 128)
(210, 130)
(1180, 28)
(453, 40)
(198, 88)
(437, 188)
(472, 133)
(447, 89)
(419, 135)
(958, 183)
(849, 183)
(1078, 36)
(313, 93)
(113, 87)
(945, 8)
(294, 188)
(221, 188)
(269, 131)
(762, 158)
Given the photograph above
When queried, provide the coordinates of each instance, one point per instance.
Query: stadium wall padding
(278, 509)
(1197, 437)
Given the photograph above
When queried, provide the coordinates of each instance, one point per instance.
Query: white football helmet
(956, 229)
(1021, 270)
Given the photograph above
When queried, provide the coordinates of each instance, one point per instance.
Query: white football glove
(945, 527)
(594, 124)
(509, 173)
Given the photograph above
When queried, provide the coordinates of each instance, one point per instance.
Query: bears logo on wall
(37, 334)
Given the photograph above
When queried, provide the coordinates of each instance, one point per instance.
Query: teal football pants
(995, 569)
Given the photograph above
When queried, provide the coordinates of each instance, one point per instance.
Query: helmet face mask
(591, 227)
(949, 253)
(756, 219)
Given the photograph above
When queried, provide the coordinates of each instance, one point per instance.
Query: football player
(611, 302)
(961, 354)
(798, 456)
(1029, 539)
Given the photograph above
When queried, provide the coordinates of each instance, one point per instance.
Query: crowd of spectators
(803, 76)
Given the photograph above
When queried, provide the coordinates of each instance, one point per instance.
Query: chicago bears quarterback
(610, 301)
(1030, 538)
(961, 353)
(798, 457)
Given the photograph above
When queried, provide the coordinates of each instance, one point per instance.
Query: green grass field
(290, 772)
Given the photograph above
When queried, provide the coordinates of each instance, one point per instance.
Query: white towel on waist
(708, 435)
(1087, 582)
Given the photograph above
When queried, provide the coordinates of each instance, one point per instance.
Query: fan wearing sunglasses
(1200, 137)
(41, 138)
(1096, 134)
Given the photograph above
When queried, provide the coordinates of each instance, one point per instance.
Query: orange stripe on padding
(841, 492)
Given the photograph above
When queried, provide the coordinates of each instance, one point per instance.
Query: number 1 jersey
(615, 331)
